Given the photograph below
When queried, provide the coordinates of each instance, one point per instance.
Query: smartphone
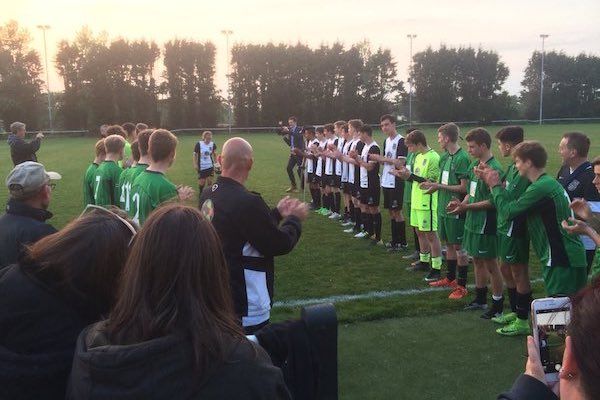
(550, 318)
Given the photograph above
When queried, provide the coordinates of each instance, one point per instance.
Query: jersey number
(136, 200)
(98, 179)
(125, 193)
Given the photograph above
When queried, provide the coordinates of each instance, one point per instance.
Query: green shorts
(424, 220)
(451, 230)
(596, 264)
(564, 281)
(513, 250)
(480, 246)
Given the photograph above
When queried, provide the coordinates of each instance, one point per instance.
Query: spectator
(251, 233)
(20, 150)
(173, 332)
(30, 191)
(65, 282)
(581, 359)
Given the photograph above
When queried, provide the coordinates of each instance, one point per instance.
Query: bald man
(251, 233)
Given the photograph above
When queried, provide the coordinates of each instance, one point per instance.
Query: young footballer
(342, 137)
(204, 160)
(410, 164)
(355, 149)
(423, 214)
(329, 183)
(106, 178)
(393, 187)
(130, 137)
(513, 244)
(151, 187)
(451, 185)
(319, 169)
(139, 152)
(348, 218)
(90, 173)
(369, 191)
(545, 203)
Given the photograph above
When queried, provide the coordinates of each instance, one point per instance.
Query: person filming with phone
(576, 377)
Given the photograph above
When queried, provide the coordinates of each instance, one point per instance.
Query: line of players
(470, 204)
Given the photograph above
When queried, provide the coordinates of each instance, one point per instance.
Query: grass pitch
(403, 344)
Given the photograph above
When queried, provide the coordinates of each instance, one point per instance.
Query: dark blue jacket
(296, 138)
(21, 151)
(21, 225)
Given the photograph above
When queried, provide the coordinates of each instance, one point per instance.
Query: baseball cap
(27, 178)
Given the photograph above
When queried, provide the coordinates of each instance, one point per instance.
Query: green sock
(424, 257)
(436, 263)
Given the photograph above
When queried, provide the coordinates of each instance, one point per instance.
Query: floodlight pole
(410, 36)
(543, 36)
(44, 28)
(228, 32)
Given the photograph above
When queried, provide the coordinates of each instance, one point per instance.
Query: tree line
(110, 81)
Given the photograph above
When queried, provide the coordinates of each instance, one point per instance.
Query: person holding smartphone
(577, 377)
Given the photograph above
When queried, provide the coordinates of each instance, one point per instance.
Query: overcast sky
(510, 27)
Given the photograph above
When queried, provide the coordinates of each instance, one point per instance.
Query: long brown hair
(176, 282)
(82, 262)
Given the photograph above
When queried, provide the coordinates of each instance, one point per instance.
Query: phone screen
(551, 333)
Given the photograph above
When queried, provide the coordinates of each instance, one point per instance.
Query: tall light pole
(44, 28)
(227, 33)
(410, 36)
(544, 37)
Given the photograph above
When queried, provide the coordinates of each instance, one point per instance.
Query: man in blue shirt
(296, 148)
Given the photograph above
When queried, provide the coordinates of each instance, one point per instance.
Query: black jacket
(579, 183)
(162, 369)
(21, 225)
(38, 332)
(528, 388)
(21, 151)
(296, 138)
(252, 235)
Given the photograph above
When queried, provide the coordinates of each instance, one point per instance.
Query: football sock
(451, 269)
(358, 219)
(316, 195)
(377, 226)
(337, 202)
(523, 305)
(462, 275)
(351, 212)
(512, 299)
(481, 295)
(401, 232)
(368, 223)
(497, 303)
(425, 259)
(394, 232)
(436, 263)
(417, 244)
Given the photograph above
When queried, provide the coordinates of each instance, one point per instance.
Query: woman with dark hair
(65, 282)
(173, 332)
(581, 360)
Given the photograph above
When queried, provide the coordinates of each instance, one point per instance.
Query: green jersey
(410, 163)
(546, 204)
(126, 181)
(515, 186)
(88, 184)
(482, 222)
(106, 181)
(148, 191)
(427, 166)
(453, 168)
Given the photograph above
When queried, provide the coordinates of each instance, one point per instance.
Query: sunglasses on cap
(133, 229)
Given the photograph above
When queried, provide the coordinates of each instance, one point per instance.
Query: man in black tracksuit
(251, 233)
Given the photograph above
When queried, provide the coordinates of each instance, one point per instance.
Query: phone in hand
(550, 318)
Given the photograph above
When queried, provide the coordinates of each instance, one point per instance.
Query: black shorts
(310, 176)
(370, 196)
(392, 198)
(355, 190)
(316, 179)
(345, 186)
(206, 173)
(332, 181)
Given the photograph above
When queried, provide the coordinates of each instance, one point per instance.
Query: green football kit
(148, 191)
(88, 184)
(480, 239)
(126, 182)
(423, 212)
(410, 163)
(453, 167)
(546, 204)
(106, 184)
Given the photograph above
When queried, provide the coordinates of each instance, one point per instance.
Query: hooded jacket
(21, 151)
(21, 225)
(162, 368)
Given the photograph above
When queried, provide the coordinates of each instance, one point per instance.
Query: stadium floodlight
(543, 36)
(410, 36)
(44, 28)
(227, 33)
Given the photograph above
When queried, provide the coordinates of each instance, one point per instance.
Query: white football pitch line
(365, 296)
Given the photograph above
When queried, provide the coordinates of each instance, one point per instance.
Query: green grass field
(411, 344)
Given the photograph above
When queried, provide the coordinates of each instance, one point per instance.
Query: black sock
(352, 212)
(462, 275)
(316, 198)
(377, 226)
(417, 244)
(481, 295)
(498, 305)
(201, 188)
(337, 200)
(331, 205)
(451, 269)
(358, 219)
(401, 231)
(326, 201)
(512, 298)
(523, 305)
(394, 227)
(368, 223)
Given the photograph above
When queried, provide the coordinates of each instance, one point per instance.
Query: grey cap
(27, 178)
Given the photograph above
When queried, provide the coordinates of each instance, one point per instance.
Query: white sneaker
(334, 216)
(348, 223)
(350, 230)
(361, 234)
(327, 213)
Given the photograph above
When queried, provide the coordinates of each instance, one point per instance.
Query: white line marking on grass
(365, 296)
